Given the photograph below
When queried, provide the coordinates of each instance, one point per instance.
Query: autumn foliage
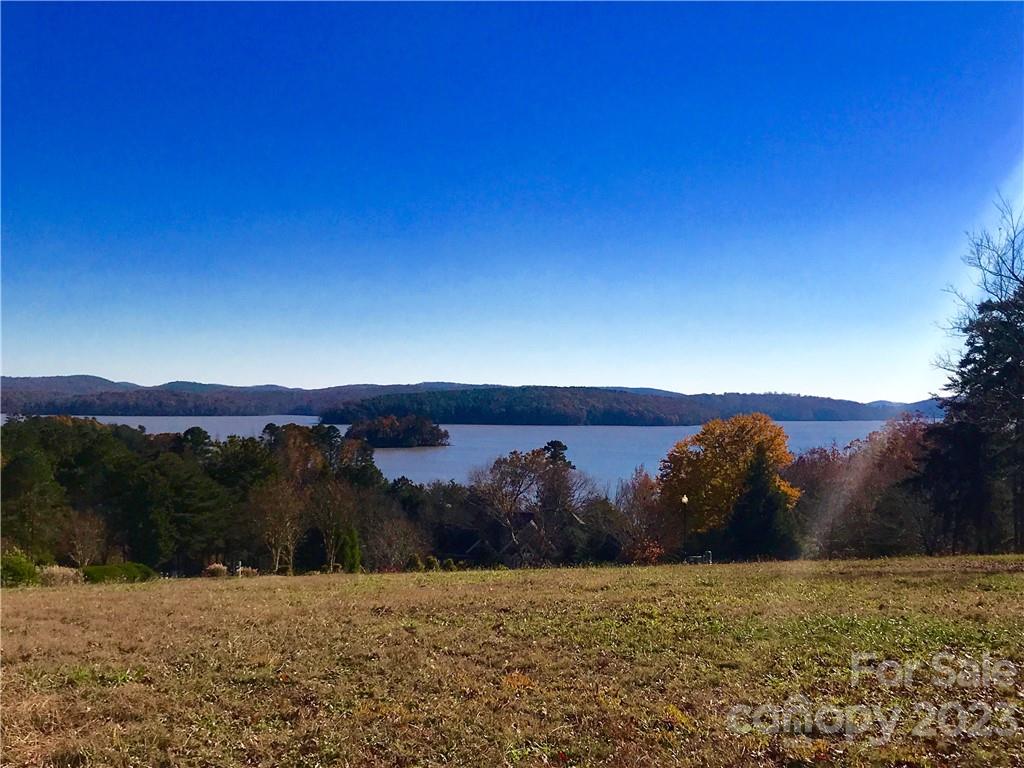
(708, 470)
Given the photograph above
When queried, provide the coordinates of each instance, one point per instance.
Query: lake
(606, 453)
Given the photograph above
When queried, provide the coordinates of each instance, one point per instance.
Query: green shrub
(98, 574)
(17, 569)
(432, 563)
(59, 576)
(414, 563)
(449, 565)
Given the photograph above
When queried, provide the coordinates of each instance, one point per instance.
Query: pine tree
(987, 384)
(351, 554)
(761, 524)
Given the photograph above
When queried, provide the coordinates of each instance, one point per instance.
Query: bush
(246, 572)
(59, 576)
(414, 563)
(17, 569)
(99, 574)
(215, 571)
(432, 563)
(449, 565)
(644, 552)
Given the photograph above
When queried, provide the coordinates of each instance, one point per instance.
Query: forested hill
(602, 406)
(64, 385)
(444, 402)
(95, 396)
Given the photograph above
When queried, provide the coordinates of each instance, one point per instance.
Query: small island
(394, 432)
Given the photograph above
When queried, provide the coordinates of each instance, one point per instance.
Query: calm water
(606, 453)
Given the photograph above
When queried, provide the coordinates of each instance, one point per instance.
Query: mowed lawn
(597, 666)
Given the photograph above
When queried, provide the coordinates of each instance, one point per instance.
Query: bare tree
(280, 513)
(332, 506)
(85, 537)
(390, 537)
(540, 500)
(509, 488)
(999, 258)
(564, 497)
(998, 261)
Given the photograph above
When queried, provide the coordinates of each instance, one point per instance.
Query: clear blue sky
(694, 197)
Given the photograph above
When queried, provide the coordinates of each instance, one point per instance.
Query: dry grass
(610, 666)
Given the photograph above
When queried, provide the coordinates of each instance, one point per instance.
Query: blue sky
(694, 197)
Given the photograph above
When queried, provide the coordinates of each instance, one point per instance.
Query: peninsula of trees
(607, 407)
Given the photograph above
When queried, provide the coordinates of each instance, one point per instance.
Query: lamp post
(684, 500)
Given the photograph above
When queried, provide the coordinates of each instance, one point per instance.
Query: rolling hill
(64, 385)
(95, 396)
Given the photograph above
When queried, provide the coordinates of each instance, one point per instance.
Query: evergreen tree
(351, 553)
(960, 479)
(33, 506)
(761, 524)
(987, 383)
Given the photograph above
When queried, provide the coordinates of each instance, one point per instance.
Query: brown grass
(603, 666)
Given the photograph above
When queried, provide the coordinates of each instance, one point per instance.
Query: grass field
(603, 666)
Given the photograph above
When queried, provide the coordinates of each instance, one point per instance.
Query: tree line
(441, 402)
(94, 396)
(600, 406)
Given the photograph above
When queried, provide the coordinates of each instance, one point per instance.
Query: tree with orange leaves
(704, 475)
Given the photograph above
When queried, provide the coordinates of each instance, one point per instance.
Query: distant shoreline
(442, 403)
(607, 453)
(339, 424)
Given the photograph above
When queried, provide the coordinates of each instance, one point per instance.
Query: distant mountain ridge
(445, 402)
